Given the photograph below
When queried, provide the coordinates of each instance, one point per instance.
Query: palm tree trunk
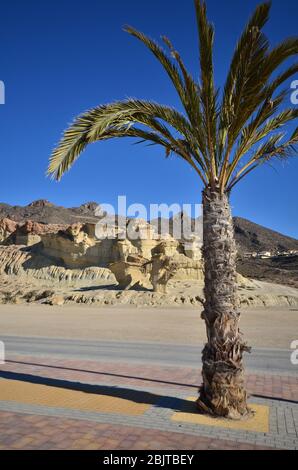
(222, 392)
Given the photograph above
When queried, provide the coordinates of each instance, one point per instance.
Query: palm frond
(133, 110)
(187, 88)
(213, 139)
(193, 93)
(118, 120)
(278, 55)
(208, 92)
(255, 132)
(248, 93)
(280, 79)
(241, 70)
(268, 151)
(165, 61)
(72, 144)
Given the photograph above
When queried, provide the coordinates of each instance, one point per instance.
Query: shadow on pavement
(137, 396)
(108, 374)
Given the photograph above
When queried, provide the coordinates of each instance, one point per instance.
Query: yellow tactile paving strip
(45, 395)
(258, 423)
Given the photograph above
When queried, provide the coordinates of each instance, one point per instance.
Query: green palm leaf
(214, 138)
(118, 120)
(208, 93)
(268, 151)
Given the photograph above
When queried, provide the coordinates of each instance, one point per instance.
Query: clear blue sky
(61, 57)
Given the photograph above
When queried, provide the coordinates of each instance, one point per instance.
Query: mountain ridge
(250, 237)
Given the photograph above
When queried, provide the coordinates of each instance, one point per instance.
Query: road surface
(265, 360)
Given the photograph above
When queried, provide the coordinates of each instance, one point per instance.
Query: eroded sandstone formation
(135, 254)
(130, 260)
(7, 228)
(57, 264)
(26, 233)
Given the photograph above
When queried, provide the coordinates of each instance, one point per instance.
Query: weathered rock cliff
(56, 264)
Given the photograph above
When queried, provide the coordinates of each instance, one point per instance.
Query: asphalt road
(270, 360)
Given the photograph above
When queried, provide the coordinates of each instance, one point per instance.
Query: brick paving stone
(41, 427)
(282, 387)
(76, 439)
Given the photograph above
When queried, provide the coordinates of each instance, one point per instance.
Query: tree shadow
(108, 374)
(137, 396)
(112, 287)
(98, 287)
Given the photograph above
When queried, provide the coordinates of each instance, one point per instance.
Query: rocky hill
(253, 237)
(249, 236)
(280, 270)
(53, 249)
(45, 212)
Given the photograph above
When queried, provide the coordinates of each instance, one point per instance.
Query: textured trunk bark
(222, 392)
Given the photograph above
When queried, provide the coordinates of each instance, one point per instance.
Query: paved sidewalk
(44, 432)
(48, 403)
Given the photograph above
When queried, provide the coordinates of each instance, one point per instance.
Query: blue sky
(61, 57)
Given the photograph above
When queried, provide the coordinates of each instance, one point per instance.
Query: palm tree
(223, 136)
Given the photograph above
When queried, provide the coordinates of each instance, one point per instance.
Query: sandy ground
(262, 327)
